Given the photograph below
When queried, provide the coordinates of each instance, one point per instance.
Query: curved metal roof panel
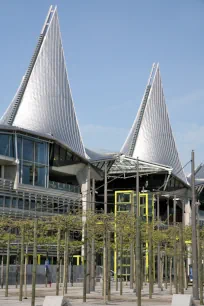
(151, 137)
(43, 102)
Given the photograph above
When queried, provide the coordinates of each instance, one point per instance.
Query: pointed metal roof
(43, 102)
(151, 138)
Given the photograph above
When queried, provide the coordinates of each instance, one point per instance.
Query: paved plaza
(162, 298)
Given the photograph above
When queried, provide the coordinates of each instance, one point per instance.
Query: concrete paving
(128, 298)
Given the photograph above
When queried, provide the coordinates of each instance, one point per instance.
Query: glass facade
(61, 157)
(39, 205)
(28, 150)
(27, 173)
(14, 203)
(7, 145)
(40, 175)
(40, 153)
(33, 156)
(7, 202)
(1, 201)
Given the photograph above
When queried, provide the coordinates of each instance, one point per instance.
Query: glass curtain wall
(33, 156)
(7, 145)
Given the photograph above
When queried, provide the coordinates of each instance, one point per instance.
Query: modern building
(43, 164)
(45, 168)
(150, 149)
(151, 141)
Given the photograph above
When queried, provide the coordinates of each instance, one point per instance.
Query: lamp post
(194, 236)
(138, 240)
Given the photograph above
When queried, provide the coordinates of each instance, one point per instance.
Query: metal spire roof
(43, 102)
(151, 138)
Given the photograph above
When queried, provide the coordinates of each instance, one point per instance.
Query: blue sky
(110, 46)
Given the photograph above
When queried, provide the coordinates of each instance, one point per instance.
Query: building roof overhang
(128, 165)
(96, 173)
(118, 163)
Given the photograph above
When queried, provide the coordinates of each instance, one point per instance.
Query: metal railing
(64, 187)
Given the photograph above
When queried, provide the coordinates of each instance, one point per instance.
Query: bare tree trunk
(17, 266)
(158, 266)
(138, 241)
(22, 263)
(121, 264)
(105, 274)
(61, 271)
(93, 265)
(109, 267)
(88, 278)
(178, 275)
(162, 271)
(186, 268)
(185, 276)
(25, 273)
(46, 269)
(135, 276)
(181, 259)
(170, 274)
(34, 264)
(201, 276)
(142, 259)
(116, 264)
(200, 265)
(166, 270)
(7, 264)
(93, 255)
(65, 280)
(154, 268)
(131, 264)
(158, 247)
(85, 262)
(138, 265)
(2, 271)
(175, 269)
(58, 262)
(150, 259)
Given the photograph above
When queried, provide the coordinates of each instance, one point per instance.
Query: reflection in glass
(27, 174)
(40, 152)
(26, 204)
(38, 205)
(28, 149)
(1, 201)
(7, 202)
(56, 208)
(62, 154)
(32, 205)
(123, 207)
(14, 203)
(40, 175)
(123, 198)
(56, 155)
(11, 146)
(20, 204)
(4, 141)
(19, 147)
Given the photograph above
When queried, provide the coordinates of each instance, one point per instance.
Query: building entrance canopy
(118, 164)
(128, 165)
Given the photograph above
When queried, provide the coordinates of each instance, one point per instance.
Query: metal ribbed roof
(43, 102)
(151, 138)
